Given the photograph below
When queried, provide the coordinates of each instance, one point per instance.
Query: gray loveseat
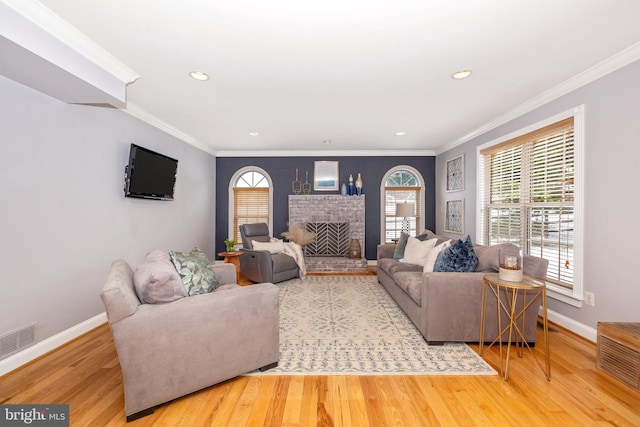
(168, 350)
(447, 306)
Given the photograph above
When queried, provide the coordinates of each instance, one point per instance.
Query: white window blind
(251, 205)
(527, 196)
(393, 223)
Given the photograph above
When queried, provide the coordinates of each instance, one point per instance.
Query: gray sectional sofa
(446, 306)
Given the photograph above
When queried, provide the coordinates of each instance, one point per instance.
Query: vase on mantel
(343, 190)
(359, 185)
(351, 186)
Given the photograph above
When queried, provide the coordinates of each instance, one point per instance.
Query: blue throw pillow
(398, 253)
(459, 257)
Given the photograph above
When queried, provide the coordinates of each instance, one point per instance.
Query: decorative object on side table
(359, 185)
(510, 268)
(405, 210)
(230, 245)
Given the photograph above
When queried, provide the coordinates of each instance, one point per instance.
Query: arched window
(402, 191)
(250, 199)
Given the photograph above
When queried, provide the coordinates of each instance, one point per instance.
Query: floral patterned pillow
(195, 271)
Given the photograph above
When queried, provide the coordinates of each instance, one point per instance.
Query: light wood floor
(85, 374)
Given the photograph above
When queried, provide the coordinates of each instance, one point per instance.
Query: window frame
(574, 296)
(420, 220)
(231, 211)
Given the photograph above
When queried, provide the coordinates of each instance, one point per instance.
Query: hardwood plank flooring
(86, 375)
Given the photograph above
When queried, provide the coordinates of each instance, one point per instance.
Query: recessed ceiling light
(401, 133)
(254, 133)
(327, 141)
(199, 75)
(462, 74)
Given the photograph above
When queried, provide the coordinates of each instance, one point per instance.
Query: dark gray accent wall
(282, 172)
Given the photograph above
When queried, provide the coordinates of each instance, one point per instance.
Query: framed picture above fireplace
(326, 175)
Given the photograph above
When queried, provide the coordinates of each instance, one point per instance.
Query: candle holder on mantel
(296, 185)
(306, 187)
(510, 264)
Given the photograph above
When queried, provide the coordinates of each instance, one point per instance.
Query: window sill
(564, 295)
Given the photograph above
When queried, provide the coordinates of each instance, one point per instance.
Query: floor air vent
(619, 351)
(16, 340)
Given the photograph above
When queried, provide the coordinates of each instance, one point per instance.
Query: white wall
(64, 217)
(612, 199)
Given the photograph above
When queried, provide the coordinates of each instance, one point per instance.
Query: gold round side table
(529, 289)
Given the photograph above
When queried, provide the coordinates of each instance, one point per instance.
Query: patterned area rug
(349, 325)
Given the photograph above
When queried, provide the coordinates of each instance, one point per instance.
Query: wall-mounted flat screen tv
(149, 175)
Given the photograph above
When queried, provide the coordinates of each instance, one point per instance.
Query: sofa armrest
(225, 273)
(386, 250)
(256, 266)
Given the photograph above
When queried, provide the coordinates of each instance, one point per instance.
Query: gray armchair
(172, 349)
(263, 266)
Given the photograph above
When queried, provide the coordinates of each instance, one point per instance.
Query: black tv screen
(150, 175)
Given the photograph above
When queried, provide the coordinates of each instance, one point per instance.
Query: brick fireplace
(333, 208)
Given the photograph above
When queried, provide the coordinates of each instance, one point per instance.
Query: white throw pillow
(416, 251)
(433, 255)
(275, 247)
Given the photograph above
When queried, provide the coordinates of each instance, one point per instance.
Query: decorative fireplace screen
(332, 239)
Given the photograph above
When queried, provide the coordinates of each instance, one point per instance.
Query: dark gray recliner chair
(263, 266)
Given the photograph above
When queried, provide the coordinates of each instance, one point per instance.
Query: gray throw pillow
(398, 253)
(156, 280)
(459, 257)
(195, 270)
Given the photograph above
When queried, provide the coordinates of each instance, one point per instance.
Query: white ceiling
(354, 72)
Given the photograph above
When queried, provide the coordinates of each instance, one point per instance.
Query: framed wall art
(455, 174)
(454, 216)
(326, 175)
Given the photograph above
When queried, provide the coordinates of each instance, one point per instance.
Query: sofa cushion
(402, 244)
(195, 271)
(417, 250)
(392, 266)
(156, 279)
(459, 257)
(411, 283)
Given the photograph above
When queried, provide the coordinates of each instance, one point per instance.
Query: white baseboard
(28, 354)
(574, 326)
(40, 348)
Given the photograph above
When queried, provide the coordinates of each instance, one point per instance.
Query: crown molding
(54, 25)
(327, 153)
(607, 66)
(145, 116)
